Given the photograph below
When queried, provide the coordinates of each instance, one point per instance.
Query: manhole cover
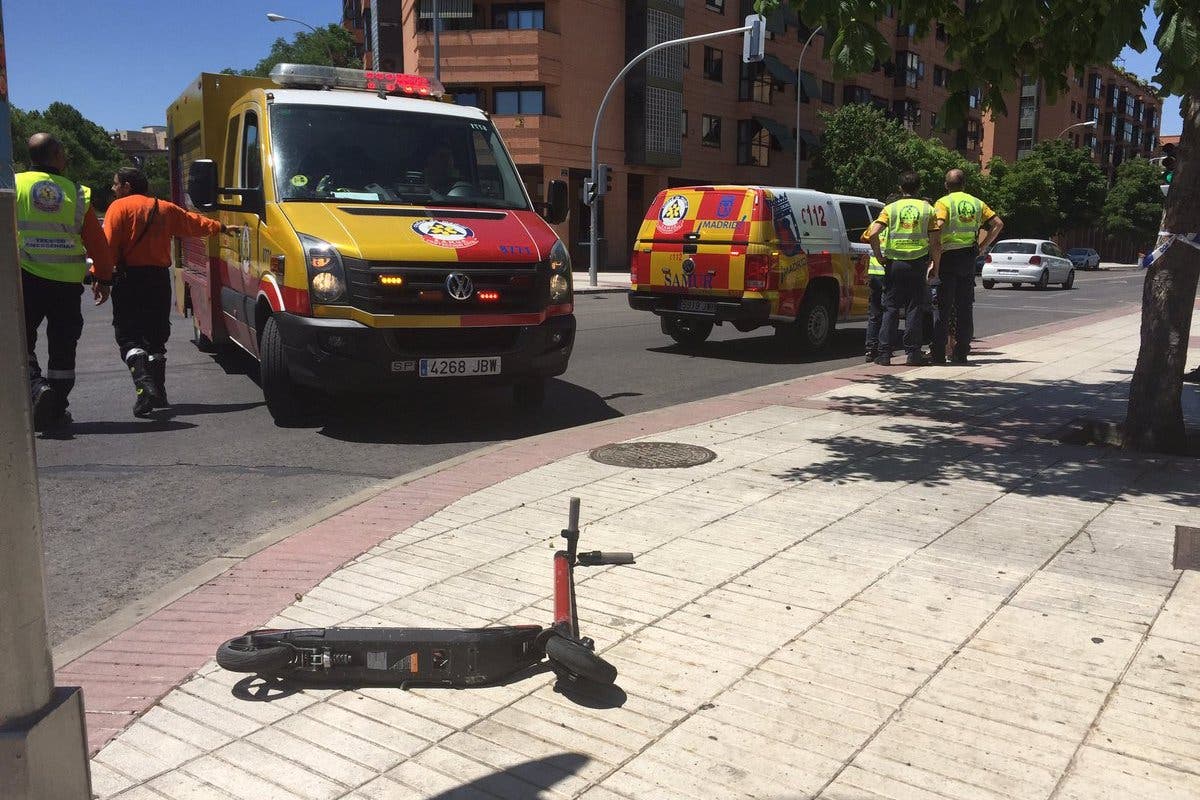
(652, 455)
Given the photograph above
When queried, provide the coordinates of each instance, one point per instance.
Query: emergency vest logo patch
(909, 215)
(443, 233)
(966, 212)
(673, 212)
(47, 196)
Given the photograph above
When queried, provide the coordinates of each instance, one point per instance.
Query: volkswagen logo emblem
(459, 286)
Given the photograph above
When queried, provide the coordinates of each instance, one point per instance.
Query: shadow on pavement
(196, 409)
(1003, 434)
(124, 427)
(484, 414)
(771, 349)
(526, 779)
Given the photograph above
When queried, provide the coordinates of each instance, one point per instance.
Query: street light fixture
(1091, 123)
(272, 17)
(799, 91)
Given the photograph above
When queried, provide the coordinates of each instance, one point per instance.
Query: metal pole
(799, 89)
(42, 750)
(593, 255)
(437, 42)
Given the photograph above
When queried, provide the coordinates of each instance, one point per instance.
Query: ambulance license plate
(458, 367)
(698, 305)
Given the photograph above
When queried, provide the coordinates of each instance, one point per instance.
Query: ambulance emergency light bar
(313, 76)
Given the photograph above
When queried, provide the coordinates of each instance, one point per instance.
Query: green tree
(1133, 209)
(996, 42)
(1079, 183)
(158, 173)
(308, 48)
(92, 158)
(1026, 198)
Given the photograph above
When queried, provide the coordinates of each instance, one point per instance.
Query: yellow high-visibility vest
(50, 211)
(963, 221)
(908, 229)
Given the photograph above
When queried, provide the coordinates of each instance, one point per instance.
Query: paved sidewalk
(889, 584)
(605, 282)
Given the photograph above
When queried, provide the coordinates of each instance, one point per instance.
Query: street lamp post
(1091, 123)
(272, 17)
(799, 91)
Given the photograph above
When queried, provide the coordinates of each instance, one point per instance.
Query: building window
(973, 98)
(465, 96)
(687, 56)
(425, 24)
(755, 83)
(909, 69)
(827, 93)
(855, 94)
(908, 112)
(933, 121)
(519, 18)
(1129, 105)
(940, 32)
(710, 130)
(908, 29)
(941, 76)
(520, 101)
(715, 5)
(754, 143)
(683, 123)
(1072, 108)
(1094, 87)
(1093, 113)
(712, 64)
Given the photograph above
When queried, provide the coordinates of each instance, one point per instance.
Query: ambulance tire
(814, 325)
(686, 331)
(288, 403)
(529, 394)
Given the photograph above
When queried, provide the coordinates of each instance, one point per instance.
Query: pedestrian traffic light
(1169, 162)
(604, 180)
(589, 191)
(754, 39)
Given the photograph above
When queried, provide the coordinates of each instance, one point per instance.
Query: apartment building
(1125, 110)
(692, 114)
(137, 146)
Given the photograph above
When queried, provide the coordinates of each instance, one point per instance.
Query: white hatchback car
(1036, 261)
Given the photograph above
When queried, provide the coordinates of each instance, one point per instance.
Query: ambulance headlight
(326, 275)
(560, 274)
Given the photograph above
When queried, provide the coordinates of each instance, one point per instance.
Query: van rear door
(694, 240)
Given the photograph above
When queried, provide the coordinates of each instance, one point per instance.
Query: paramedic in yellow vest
(875, 280)
(911, 244)
(959, 217)
(56, 232)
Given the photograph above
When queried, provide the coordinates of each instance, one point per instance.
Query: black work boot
(143, 384)
(158, 374)
(46, 406)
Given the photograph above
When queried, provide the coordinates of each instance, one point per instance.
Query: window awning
(809, 138)
(780, 71)
(779, 131)
(812, 87)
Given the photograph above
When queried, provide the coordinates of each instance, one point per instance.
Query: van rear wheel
(815, 323)
(687, 331)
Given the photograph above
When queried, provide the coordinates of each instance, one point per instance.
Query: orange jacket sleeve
(181, 222)
(96, 244)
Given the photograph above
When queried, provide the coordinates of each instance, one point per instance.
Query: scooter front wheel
(579, 661)
(243, 655)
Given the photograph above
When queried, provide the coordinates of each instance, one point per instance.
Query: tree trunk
(1154, 419)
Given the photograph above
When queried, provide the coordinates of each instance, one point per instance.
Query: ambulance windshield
(364, 155)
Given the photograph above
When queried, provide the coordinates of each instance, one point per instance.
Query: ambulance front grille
(522, 288)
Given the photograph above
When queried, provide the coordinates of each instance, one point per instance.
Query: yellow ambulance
(753, 256)
(385, 240)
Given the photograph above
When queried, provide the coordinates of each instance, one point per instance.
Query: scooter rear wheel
(579, 661)
(242, 655)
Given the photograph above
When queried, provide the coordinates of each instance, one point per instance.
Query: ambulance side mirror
(557, 205)
(202, 183)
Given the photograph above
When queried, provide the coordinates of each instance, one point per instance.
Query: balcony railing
(494, 56)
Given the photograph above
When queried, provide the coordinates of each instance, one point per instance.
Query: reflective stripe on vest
(963, 220)
(908, 229)
(876, 266)
(50, 214)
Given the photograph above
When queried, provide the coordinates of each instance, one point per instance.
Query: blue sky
(122, 62)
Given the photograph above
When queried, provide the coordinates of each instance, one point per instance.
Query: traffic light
(589, 191)
(1169, 163)
(754, 39)
(604, 180)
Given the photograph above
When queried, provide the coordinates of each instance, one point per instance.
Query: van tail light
(1035, 260)
(988, 259)
(639, 265)
(760, 270)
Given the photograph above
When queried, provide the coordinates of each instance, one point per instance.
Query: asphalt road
(129, 504)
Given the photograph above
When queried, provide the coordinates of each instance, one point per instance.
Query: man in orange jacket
(139, 230)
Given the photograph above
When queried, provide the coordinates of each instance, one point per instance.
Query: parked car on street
(1084, 258)
(1035, 261)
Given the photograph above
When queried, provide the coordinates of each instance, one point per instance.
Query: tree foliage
(332, 41)
(92, 158)
(1134, 206)
(158, 173)
(863, 151)
(1079, 184)
(1025, 196)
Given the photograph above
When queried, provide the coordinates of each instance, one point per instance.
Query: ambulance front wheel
(686, 331)
(289, 403)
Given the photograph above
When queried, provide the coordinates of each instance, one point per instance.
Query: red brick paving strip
(128, 674)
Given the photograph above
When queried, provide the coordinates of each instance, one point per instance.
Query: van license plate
(458, 367)
(698, 305)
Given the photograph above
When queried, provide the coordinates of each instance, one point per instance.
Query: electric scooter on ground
(457, 657)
